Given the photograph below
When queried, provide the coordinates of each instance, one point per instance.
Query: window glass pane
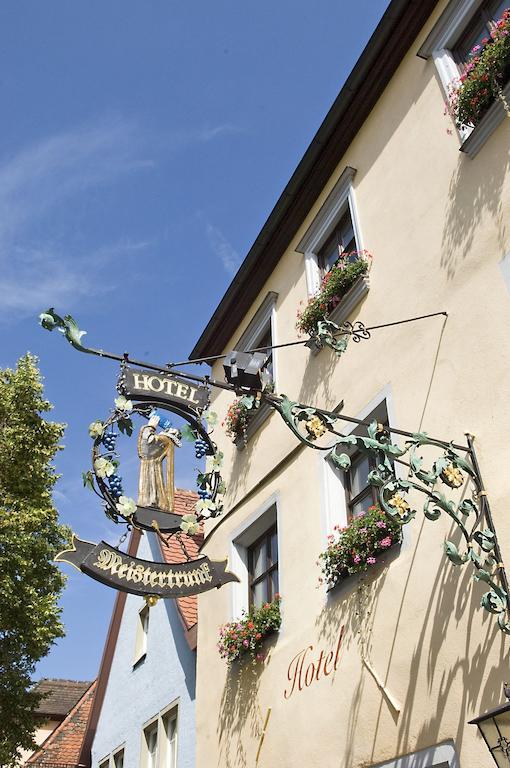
(265, 340)
(118, 759)
(359, 475)
(151, 736)
(346, 234)
(104, 764)
(259, 593)
(258, 559)
(274, 547)
(171, 746)
(274, 583)
(362, 504)
(330, 252)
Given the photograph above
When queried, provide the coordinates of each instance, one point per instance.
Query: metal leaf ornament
(66, 325)
(449, 470)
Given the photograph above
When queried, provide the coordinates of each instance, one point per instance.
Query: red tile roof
(60, 696)
(184, 504)
(63, 745)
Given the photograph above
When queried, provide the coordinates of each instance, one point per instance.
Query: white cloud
(37, 270)
(223, 249)
(41, 265)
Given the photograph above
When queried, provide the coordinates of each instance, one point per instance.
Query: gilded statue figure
(156, 485)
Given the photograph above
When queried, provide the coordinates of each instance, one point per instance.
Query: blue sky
(143, 147)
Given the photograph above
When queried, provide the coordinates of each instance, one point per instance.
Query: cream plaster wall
(435, 222)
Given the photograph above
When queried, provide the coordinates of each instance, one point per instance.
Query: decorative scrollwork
(336, 337)
(449, 473)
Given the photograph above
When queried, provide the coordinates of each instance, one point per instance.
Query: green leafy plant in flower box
(245, 637)
(483, 77)
(357, 546)
(334, 286)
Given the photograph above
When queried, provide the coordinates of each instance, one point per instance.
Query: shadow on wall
(452, 597)
(240, 714)
(474, 191)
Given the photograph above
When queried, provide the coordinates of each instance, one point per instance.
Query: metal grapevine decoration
(449, 472)
(450, 484)
(148, 395)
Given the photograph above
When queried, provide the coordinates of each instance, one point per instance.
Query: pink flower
(357, 559)
(361, 514)
(246, 643)
(380, 523)
(371, 560)
(386, 542)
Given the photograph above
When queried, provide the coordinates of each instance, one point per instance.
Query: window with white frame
(349, 493)
(334, 231)
(114, 760)
(261, 333)
(159, 741)
(462, 25)
(255, 559)
(142, 633)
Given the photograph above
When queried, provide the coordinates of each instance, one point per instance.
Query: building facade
(387, 668)
(144, 712)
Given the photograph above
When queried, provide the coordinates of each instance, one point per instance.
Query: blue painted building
(144, 713)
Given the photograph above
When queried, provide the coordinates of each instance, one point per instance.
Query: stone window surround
(264, 316)
(250, 529)
(437, 46)
(109, 760)
(333, 496)
(340, 199)
(171, 709)
(439, 756)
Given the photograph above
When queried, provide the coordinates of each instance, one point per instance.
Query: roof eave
(401, 23)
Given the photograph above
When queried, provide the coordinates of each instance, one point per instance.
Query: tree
(30, 536)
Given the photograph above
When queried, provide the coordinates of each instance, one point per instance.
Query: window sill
(139, 661)
(344, 309)
(260, 416)
(487, 125)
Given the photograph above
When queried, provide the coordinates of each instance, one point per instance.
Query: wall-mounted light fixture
(495, 729)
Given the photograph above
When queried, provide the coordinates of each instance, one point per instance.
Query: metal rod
(198, 360)
(410, 320)
(488, 514)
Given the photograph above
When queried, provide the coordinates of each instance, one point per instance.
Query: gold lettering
(121, 573)
(153, 380)
(205, 570)
(140, 381)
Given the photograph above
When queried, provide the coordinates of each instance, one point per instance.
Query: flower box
(483, 78)
(341, 289)
(245, 638)
(358, 546)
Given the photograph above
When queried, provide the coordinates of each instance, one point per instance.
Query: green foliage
(246, 636)
(30, 536)
(334, 286)
(484, 76)
(357, 546)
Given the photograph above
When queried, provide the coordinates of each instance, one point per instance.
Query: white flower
(204, 507)
(103, 467)
(96, 429)
(210, 417)
(122, 404)
(190, 525)
(217, 460)
(126, 505)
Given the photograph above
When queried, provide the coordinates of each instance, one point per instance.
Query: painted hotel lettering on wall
(306, 667)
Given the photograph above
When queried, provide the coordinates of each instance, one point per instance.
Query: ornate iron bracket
(469, 510)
